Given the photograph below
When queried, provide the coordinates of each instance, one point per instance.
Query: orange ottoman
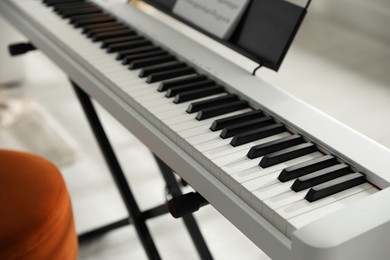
(36, 220)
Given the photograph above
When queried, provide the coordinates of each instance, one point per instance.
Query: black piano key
(334, 186)
(307, 167)
(78, 17)
(164, 86)
(137, 64)
(71, 6)
(224, 122)
(58, 8)
(160, 68)
(51, 3)
(79, 11)
(64, 4)
(242, 127)
(127, 39)
(173, 91)
(145, 72)
(321, 176)
(197, 106)
(174, 73)
(127, 45)
(95, 31)
(130, 58)
(82, 17)
(138, 51)
(112, 34)
(287, 154)
(88, 21)
(257, 134)
(91, 27)
(87, 16)
(195, 94)
(273, 146)
(62, 1)
(221, 109)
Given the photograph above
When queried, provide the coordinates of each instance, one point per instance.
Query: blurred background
(338, 63)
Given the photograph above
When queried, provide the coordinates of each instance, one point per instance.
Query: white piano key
(142, 90)
(194, 123)
(250, 179)
(128, 84)
(232, 159)
(179, 125)
(198, 139)
(225, 143)
(200, 130)
(168, 107)
(137, 89)
(282, 215)
(171, 113)
(225, 150)
(152, 104)
(272, 204)
(304, 219)
(240, 166)
(258, 196)
(143, 97)
(256, 178)
(266, 178)
(103, 60)
(119, 71)
(228, 149)
(179, 119)
(167, 104)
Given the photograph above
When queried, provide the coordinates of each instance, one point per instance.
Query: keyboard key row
(254, 154)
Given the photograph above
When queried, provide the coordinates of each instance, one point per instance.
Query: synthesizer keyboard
(265, 160)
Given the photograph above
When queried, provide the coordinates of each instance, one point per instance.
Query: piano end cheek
(307, 244)
(311, 246)
(358, 231)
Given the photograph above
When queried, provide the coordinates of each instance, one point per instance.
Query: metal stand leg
(117, 173)
(138, 218)
(189, 220)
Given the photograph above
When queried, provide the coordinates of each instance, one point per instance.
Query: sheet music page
(218, 17)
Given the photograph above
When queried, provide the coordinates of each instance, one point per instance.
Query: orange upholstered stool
(36, 220)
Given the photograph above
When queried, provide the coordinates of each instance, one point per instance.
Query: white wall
(371, 16)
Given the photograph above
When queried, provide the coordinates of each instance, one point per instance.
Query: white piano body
(357, 231)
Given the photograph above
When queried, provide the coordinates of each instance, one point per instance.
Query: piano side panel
(359, 231)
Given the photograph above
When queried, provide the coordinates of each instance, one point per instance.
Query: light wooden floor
(337, 69)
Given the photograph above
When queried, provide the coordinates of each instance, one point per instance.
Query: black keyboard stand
(136, 217)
